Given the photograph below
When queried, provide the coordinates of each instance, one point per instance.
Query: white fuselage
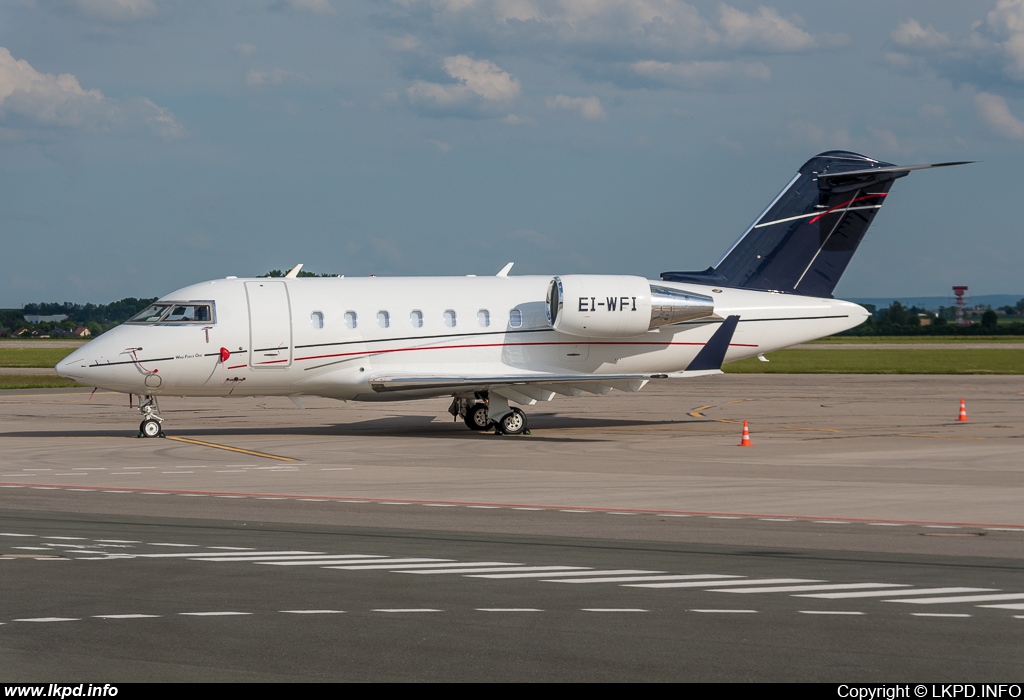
(331, 336)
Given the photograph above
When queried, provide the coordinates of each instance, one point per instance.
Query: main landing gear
(152, 424)
(477, 412)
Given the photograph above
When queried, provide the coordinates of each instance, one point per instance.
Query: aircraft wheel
(513, 424)
(149, 428)
(476, 417)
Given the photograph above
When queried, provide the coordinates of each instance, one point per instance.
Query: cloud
(763, 30)
(602, 39)
(317, 7)
(994, 111)
(117, 10)
(588, 107)
(481, 88)
(274, 76)
(700, 74)
(244, 50)
(989, 54)
(34, 99)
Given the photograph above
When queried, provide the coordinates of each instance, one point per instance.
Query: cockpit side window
(175, 312)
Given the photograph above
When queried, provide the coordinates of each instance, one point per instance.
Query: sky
(150, 144)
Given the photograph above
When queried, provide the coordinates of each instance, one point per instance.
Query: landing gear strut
(478, 412)
(152, 424)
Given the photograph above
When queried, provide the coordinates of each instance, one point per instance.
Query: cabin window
(383, 319)
(351, 319)
(175, 312)
(416, 318)
(449, 318)
(515, 318)
(483, 317)
(316, 319)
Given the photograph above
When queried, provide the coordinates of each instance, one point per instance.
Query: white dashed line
(615, 610)
(830, 612)
(47, 619)
(407, 610)
(509, 610)
(940, 614)
(133, 616)
(707, 610)
(312, 612)
(214, 614)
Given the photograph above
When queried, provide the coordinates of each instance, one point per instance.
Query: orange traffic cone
(963, 412)
(745, 442)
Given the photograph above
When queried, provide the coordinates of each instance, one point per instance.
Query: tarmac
(854, 447)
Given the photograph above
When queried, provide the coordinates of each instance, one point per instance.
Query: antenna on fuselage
(294, 272)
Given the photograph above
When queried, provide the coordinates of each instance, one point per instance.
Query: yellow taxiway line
(254, 453)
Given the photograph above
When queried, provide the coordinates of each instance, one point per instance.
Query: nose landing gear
(152, 424)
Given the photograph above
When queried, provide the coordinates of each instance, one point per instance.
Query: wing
(531, 387)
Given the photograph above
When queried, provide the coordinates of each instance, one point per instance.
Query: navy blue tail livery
(804, 240)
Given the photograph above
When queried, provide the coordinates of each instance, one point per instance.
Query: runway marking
(816, 430)
(407, 610)
(47, 619)
(824, 587)
(222, 556)
(704, 584)
(960, 599)
(313, 612)
(240, 450)
(509, 610)
(1005, 606)
(131, 616)
(170, 544)
(628, 579)
(615, 610)
(214, 614)
(940, 614)
(705, 610)
(885, 594)
(830, 612)
(566, 571)
(468, 569)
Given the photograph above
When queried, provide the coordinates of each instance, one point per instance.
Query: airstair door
(270, 325)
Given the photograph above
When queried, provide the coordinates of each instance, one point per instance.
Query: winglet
(294, 272)
(712, 354)
(505, 270)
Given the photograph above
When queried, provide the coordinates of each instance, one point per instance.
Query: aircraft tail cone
(962, 418)
(745, 441)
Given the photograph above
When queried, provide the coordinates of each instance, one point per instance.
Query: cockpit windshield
(175, 312)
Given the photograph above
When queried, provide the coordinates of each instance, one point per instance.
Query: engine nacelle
(618, 306)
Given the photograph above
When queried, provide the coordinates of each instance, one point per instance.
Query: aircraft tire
(150, 428)
(476, 417)
(513, 424)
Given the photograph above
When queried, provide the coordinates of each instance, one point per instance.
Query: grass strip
(33, 357)
(35, 381)
(856, 361)
(917, 339)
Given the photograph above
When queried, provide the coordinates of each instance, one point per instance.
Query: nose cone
(74, 366)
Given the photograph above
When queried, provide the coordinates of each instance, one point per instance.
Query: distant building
(36, 318)
(81, 332)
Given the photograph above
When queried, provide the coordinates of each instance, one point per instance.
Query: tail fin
(804, 240)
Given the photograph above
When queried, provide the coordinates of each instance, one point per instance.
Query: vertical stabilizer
(804, 240)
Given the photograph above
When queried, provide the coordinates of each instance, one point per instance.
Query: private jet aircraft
(489, 341)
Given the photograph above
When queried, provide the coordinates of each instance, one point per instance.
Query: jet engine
(618, 306)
